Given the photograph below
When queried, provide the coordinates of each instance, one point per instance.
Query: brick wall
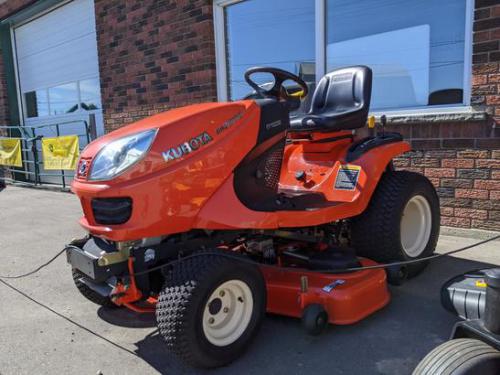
(7, 7)
(486, 57)
(467, 182)
(4, 108)
(154, 55)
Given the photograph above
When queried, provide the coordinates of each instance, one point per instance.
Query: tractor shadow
(126, 318)
(391, 341)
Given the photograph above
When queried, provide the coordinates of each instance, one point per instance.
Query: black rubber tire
(375, 233)
(89, 293)
(460, 357)
(182, 301)
(314, 319)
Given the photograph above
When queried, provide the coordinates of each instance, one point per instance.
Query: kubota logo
(187, 147)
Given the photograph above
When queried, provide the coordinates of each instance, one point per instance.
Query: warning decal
(347, 177)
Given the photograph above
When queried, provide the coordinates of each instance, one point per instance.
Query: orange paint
(196, 190)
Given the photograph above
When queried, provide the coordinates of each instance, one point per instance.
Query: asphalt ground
(47, 327)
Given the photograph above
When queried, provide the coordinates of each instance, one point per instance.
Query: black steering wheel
(278, 90)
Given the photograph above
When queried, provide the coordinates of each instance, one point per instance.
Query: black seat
(340, 102)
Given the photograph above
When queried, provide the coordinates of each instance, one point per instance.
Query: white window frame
(320, 57)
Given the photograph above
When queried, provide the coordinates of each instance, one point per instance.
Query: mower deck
(346, 297)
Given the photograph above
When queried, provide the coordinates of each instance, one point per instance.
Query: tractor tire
(460, 357)
(210, 309)
(89, 293)
(401, 222)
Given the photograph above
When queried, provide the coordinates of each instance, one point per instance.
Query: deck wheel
(314, 319)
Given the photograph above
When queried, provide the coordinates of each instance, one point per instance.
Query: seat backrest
(344, 92)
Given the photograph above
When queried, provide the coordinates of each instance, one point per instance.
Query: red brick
(434, 181)
(490, 90)
(487, 184)
(493, 100)
(415, 169)
(446, 211)
(482, 36)
(471, 193)
(473, 154)
(495, 174)
(495, 194)
(457, 163)
(495, 11)
(488, 163)
(439, 172)
(485, 68)
(486, 224)
(471, 213)
(461, 222)
(494, 215)
(457, 183)
(10, 6)
(164, 61)
(401, 162)
(494, 78)
(494, 34)
(482, 79)
(425, 162)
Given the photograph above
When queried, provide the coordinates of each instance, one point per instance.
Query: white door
(58, 72)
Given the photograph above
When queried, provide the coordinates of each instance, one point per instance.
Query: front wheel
(210, 308)
(401, 222)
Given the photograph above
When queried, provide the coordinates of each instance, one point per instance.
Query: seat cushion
(340, 102)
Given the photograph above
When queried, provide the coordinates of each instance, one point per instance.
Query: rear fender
(375, 162)
(349, 202)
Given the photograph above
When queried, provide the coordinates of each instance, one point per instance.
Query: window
(70, 97)
(63, 99)
(419, 51)
(415, 48)
(278, 33)
(90, 94)
(37, 103)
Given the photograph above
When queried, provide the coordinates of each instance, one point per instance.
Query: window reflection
(37, 103)
(278, 33)
(90, 94)
(63, 99)
(415, 48)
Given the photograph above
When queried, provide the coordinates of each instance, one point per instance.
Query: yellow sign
(10, 152)
(60, 152)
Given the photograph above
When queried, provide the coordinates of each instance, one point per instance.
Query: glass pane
(37, 103)
(278, 33)
(415, 48)
(63, 99)
(90, 94)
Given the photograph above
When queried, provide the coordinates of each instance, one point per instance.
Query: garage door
(58, 70)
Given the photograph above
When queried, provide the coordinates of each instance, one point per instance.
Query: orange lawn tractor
(213, 214)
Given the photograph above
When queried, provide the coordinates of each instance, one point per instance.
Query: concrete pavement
(35, 224)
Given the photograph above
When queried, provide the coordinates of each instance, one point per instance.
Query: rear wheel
(210, 309)
(401, 222)
(460, 357)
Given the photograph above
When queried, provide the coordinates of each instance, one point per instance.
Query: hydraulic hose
(247, 260)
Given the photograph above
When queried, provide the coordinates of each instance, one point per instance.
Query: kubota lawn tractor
(215, 213)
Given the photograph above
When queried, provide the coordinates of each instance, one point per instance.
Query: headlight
(121, 154)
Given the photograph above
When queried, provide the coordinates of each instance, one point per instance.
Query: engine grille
(111, 210)
(270, 166)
